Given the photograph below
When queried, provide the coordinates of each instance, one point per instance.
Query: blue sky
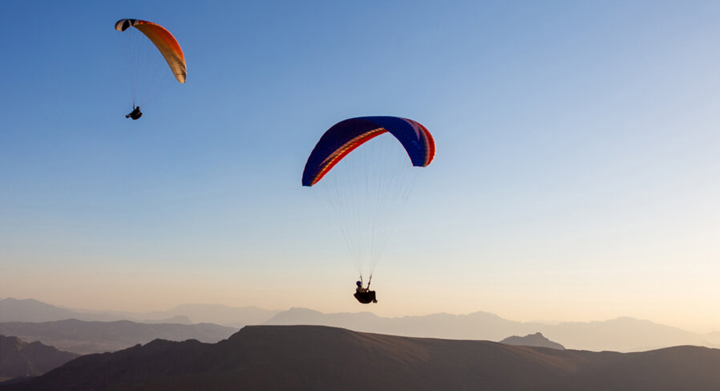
(576, 176)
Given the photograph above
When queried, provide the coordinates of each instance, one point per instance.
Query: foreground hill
(95, 337)
(323, 358)
(19, 358)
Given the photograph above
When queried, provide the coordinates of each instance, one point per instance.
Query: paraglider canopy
(345, 136)
(163, 40)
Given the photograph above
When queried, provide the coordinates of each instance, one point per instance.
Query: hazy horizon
(362, 310)
(577, 174)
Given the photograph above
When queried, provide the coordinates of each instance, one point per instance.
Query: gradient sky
(577, 175)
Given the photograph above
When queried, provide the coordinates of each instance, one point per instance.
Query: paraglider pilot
(135, 114)
(364, 295)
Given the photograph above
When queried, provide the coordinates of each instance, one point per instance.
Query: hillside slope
(323, 358)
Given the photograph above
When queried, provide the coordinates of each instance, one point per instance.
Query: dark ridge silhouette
(96, 337)
(537, 340)
(324, 358)
(19, 358)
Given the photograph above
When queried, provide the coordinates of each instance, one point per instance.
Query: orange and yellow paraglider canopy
(163, 40)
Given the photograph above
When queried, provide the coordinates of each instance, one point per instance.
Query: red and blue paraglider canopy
(345, 136)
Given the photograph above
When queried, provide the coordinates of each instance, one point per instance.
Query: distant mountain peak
(536, 340)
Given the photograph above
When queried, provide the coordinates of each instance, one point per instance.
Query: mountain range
(30, 310)
(621, 334)
(85, 337)
(323, 358)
